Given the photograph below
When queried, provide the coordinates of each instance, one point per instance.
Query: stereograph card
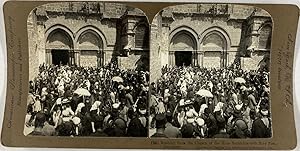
(149, 75)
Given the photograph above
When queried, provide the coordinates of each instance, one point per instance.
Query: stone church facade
(93, 34)
(210, 36)
(88, 34)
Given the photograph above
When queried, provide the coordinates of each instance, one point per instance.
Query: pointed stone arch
(214, 44)
(187, 31)
(141, 37)
(183, 45)
(90, 45)
(265, 36)
(59, 44)
(91, 29)
(59, 35)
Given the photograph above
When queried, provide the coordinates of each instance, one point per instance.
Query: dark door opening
(183, 58)
(60, 57)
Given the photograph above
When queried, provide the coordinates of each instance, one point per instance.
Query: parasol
(205, 93)
(82, 91)
(240, 80)
(117, 79)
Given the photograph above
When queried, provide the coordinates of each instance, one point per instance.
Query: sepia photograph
(88, 70)
(209, 72)
(139, 75)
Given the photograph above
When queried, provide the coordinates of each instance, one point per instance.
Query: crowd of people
(186, 102)
(76, 101)
(194, 102)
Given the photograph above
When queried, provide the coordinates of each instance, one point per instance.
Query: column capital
(48, 50)
(171, 52)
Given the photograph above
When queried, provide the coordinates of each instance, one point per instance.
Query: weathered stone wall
(239, 23)
(234, 22)
(107, 27)
(33, 44)
(253, 62)
(235, 11)
(134, 60)
(109, 10)
(88, 58)
(199, 25)
(76, 17)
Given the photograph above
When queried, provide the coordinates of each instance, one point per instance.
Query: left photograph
(88, 70)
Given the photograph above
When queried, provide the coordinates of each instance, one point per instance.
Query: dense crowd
(194, 102)
(78, 101)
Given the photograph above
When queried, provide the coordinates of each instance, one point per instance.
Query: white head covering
(189, 114)
(264, 112)
(65, 101)
(181, 102)
(167, 90)
(116, 105)
(95, 106)
(58, 101)
(44, 89)
(239, 106)
(190, 117)
(142, 111)
(202, 108)
(218, 107)
(79, 107)
(161, 107)
(188, 102)
(121, 87)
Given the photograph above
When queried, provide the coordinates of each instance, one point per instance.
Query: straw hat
(76, 120)
(200, 122)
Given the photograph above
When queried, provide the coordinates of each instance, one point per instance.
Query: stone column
(201, 55)
(103, 58)
(171, 58)
(77, 57)
(48, 56)
(199, 58)
(194, 58)
(254, 34)
(131, 33)
(70, 57)
(99, 58)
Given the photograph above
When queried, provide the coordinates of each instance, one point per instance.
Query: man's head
(40, 119)
(160, 120)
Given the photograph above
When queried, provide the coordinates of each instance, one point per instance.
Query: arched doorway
(59, 44)
(90, 46)
(214, 47)
(182, 46)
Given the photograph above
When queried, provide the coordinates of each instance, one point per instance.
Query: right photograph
(209, 72)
